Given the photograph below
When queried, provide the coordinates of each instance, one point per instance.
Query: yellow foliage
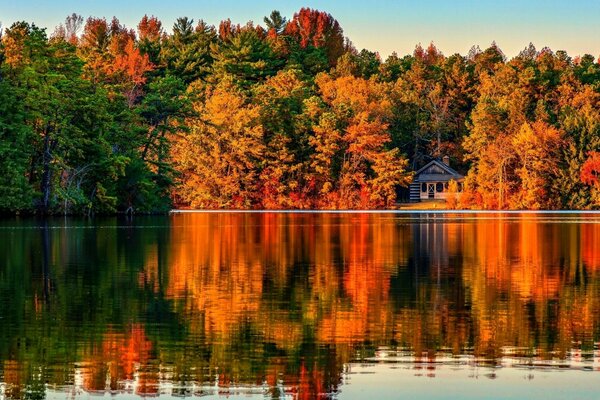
(453, 197)
(217, 158)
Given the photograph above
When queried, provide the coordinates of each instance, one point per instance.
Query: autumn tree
(538, 149)
(370, 171)
(580, 119)
(453, 196)
(218, 158)
(506, 102)
(433, 99)
(150, 35)
(326, 158)
(129, 71)
(317, 29)
(590, 171)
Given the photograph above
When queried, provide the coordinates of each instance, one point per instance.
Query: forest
(100, 118)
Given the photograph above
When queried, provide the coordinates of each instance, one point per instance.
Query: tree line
(100, 118)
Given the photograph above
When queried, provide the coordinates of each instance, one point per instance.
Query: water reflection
(283, 304)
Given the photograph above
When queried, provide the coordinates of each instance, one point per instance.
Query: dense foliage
(99, 118)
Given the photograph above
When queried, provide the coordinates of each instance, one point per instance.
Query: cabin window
(460, 187)
(423, 187)
(446, 186)
(439, 187)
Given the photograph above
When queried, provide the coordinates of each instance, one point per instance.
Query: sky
(377, 25)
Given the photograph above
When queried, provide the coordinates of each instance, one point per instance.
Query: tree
(326, 158)
(364, 64)
(94, 48)
(73, 24)
(150, 34)
(318, 29)
(282, 177)
(538, 147)
(163, 110)
(187, 53)
(244, 56)
(15, 136)
(129, 71)
(452, 196)
(275, 22)
(22, 45)
(590, 171)
(506, 102)
(580, 120)
(433, 97)
(369, 172)
(218, 158)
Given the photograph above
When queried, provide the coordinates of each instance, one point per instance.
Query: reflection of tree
(294, 279)
(285, 299)
(117, 359)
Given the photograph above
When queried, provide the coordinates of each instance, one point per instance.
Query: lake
(302, 305)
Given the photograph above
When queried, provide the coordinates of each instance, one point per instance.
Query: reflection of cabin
(431, 181)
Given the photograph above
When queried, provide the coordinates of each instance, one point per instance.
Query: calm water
(302, 305)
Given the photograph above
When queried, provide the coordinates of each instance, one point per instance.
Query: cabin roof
(437, 171)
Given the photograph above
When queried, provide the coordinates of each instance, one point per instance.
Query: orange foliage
(370, 172)
(13, 42)
(230, 296)
(227, 29)
(487, 284)
(121, 356)
(132, 64)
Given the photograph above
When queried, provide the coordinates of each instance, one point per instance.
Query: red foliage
(319, 29)
(590, 172)
(150, 28)
(272, 34)
(227, 29)
(429, 56)
(312, 27)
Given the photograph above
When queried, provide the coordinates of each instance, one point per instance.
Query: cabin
(431, 181)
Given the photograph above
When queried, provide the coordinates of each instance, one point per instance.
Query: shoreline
(407, 211)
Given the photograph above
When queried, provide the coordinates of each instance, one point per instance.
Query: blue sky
(378, 25)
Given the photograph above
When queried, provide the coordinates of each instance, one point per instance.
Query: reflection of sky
(381, 25)
(390, 381)
(404, 381)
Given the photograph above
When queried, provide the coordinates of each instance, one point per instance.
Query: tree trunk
(45, 185)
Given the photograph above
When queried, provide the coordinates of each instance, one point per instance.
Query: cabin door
(431, 190)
